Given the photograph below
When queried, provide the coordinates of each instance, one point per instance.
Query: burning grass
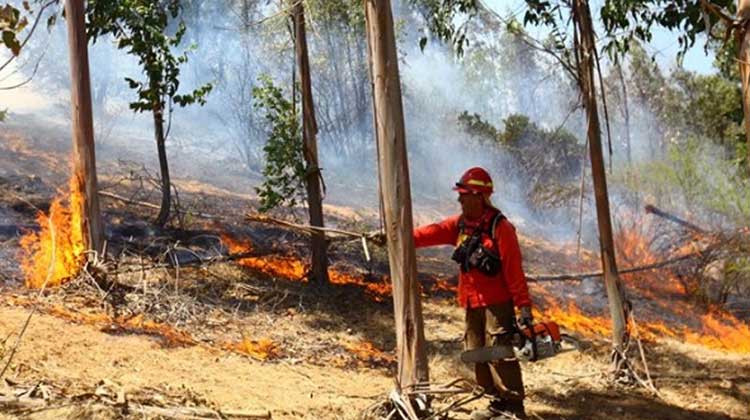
(368, 354)
(55, 254)
(262, 349)
(292, 268)
(668, 309)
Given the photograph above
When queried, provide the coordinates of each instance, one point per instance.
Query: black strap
(482, 228)
(495, 221)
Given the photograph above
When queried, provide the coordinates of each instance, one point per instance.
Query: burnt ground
(226, 336)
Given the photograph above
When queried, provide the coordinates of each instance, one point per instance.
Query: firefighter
(490, 283)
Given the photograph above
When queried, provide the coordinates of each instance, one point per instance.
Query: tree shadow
(589, 404)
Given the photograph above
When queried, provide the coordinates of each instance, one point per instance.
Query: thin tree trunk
(84, 157)
(625, 114)
(743, 39)
(395, 193)
(166, 185)
(628, 139)
(588, 91)
(319, 267)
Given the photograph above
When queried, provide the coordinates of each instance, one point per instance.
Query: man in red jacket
(491, 281)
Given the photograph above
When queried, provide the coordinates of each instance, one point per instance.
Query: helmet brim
(463, 189)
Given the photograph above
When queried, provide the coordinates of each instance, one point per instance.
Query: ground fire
(55, 253)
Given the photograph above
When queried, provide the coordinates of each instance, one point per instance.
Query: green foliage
(442, 15)
(11, 23)
(349, 12)
(706, 182)
(686, 103)
(285, 167)
(626, 21)
(3, 115)
(550, 159)
(474, 125)
(141, 27)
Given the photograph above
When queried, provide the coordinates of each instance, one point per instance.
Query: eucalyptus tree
(152, 32)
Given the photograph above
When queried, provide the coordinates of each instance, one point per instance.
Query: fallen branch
(309, 230)
(157, 207)
(581, 276)
(684, 223)
(9, 404)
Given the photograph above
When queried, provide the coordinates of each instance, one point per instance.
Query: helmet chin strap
(488, 201)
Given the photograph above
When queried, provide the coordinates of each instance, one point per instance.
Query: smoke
(222, 142)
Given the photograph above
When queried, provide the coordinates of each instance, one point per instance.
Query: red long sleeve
(510, 255)
(441, 233)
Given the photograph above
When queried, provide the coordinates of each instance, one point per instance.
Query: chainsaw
(530, 343)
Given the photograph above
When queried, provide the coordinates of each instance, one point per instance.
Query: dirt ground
(331, 350)
(694, 383)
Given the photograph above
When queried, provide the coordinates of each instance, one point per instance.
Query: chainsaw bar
(488, 354)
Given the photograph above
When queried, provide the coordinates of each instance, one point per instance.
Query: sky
(664, 46)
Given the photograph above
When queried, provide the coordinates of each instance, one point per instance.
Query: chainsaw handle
(534, 352)
(532, 333)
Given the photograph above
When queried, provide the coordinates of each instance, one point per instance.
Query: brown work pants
(484, 326)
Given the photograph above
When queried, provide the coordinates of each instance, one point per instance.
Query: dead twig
(156, 207)
(581, 276)
(308, 229)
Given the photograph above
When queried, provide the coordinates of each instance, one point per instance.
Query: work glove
(378, 238)
(527, 319)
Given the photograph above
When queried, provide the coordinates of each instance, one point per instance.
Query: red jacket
(476, 289)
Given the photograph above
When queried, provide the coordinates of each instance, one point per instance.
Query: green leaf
(10, 41)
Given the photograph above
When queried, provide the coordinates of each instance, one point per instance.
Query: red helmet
(474, 181)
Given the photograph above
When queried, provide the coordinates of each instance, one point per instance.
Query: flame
(366, 352)
(722, 331)
(274, 265)
(716, 329)
(262, 349)
(573, 318)
(55, 254)
(292, 268)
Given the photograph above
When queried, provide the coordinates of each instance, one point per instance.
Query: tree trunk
(625, 114)
(393, 171)
(166, 185)
(588, 92)
(743, 39)
(628, 139)
(84, 157)
(319, 273)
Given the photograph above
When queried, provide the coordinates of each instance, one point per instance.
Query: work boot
(501, 409)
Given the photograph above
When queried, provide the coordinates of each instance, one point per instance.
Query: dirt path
(81, 355)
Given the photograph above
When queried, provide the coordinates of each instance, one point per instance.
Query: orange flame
(56, 253)
(262, 349)
(367, 352)
(292, 268)
(273, 265)
(722, 331)
(718, 330)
